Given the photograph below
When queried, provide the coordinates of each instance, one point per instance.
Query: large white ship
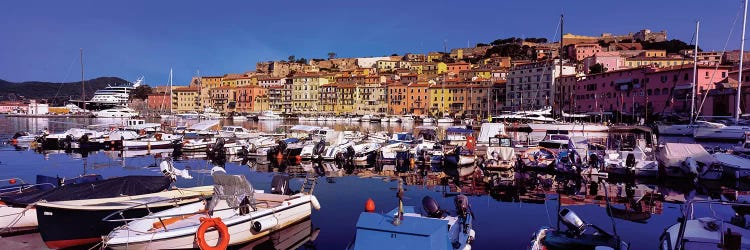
(111, 96)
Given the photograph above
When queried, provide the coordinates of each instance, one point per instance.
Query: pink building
(582, 50)
(159, 102)
(627, 91)
(611, 60)
(722, 101)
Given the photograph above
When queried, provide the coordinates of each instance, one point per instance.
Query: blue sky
(41, 39)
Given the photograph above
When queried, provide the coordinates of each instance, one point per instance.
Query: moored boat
(64, 224)
(238, 212)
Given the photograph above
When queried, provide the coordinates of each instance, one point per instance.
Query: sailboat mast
(695, 73)
(170, 91)
(83, 84)
(742, 57)
(561, 68)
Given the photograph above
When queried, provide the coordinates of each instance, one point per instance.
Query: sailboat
(731, 132)
(688, 129)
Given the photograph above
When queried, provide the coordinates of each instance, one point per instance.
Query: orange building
(252, 99)
(455, 68)
(417, 98)
(397, 98)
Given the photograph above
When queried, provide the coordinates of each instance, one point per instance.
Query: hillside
(56, 93)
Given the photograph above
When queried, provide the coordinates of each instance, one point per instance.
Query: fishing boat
(64, 224)
(238, 213)
(365, 152)
(500, 159)
(406, 228)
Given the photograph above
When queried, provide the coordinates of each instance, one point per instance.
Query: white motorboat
(718, 131)
(722, 226)
(734, 166)
(353, 119)
(197, 144)
(385, 119)
(365, 152)
(428, 120)
(445, 120)
(156, 141)
(239, 118)
(120, 112)
(407, 119)
(569, 127)
(238, 132)
(239, 212)
(269, 115)
(394, 119)
(366, 118)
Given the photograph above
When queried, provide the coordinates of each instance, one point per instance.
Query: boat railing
(22, 187)
(689, 213)
(151, 215)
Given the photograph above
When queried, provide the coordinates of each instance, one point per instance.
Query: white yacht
(119, 112)
(112, 95)
(718, 131)
(269, 115)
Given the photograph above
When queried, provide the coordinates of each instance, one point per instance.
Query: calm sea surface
(505, 217)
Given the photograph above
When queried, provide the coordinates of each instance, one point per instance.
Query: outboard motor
(319, 148)
(243, 151)
(218, 145)
(282, 145)
(593, 160)
(462, 205)
(692, 165)
(432, 208)
(457, 150)
(572, 221)
(630, 161)
(280, 185)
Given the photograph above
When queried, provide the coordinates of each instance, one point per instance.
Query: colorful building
(186, 99)
(345, 93)
(418, 98)
(223, 99)
(305, 92)
(328, 99)
(161, 102)
(252, 98)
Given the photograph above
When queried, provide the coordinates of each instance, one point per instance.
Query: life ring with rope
(206, 223)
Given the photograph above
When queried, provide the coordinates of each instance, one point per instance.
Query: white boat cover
(500, 153)
(732, 160)
(306, 128)
(490, 130)
(673, 154)
(204, 125)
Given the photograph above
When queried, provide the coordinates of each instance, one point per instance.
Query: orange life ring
(206, 223)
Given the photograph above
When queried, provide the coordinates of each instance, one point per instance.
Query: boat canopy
(306, 128)
(127, 185)
(490, 130)
(673, 154)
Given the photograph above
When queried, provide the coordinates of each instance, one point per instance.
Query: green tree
(331, 55)
(141, 92)
(291, 58)
(597, 68)
(302, 60)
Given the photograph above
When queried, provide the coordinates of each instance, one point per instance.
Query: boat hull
(17, 220)
(725, 133)
(239, 229)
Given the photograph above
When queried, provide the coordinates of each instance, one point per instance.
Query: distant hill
(56, 93)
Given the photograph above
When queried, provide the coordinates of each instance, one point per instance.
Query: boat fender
(316, 204)
(265, 224)
(466, 247)
(370, 205)
(221, 228)
(472, 235)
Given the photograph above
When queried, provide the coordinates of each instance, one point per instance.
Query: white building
(371, 62)
(38, 108)
(531, 85)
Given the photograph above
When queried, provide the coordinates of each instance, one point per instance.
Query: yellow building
(386, 65)
(306, 92)
(204, 84)
(328, 100)
(434, 56)
(655, 53)
(417, 68)
(186, 99)
(345, 94)
(223, 99)
(245, 80)
(440, 98)
(442, 67)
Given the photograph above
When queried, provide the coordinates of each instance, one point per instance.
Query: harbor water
(505, 217)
